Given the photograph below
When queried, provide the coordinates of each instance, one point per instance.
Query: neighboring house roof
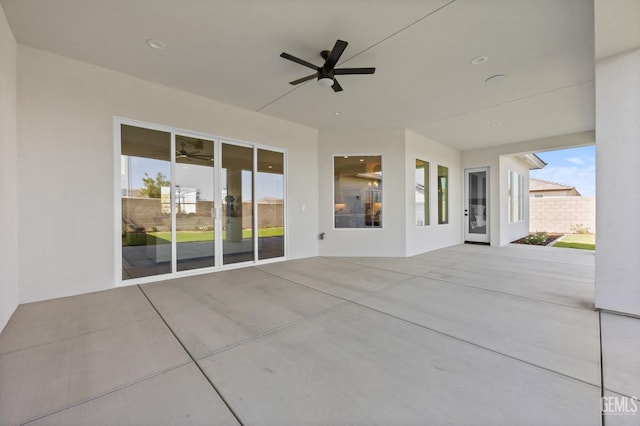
(539, 185)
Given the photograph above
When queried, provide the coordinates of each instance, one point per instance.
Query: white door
(476, 205)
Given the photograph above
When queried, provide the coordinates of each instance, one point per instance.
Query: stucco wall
(420, 239)
(66, 112)
(501, 232)
(8, 174)
(559, 214)
(388, 240)
(618, 141)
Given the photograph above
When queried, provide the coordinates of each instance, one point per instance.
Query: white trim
(117, 202)
(172, 201)
(254, 204)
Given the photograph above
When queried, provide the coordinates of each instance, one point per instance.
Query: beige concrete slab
(355, 366)
(53, 320)
(559, 338)
(205, 328)
(621, 354)
(42, 379)
(566, 292)
(552, 270)
(309, 268)
(355, 284)
(210, 289)
(402, 265)
(178, 397)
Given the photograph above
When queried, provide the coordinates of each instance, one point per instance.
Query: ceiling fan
(327, 72)
(183, 153)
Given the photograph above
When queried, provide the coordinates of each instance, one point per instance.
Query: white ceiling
(229, 50)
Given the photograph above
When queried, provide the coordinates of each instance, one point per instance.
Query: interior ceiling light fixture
(496, 79)
(156, 44)
(496, 124)
(479, 60)
(327, 72)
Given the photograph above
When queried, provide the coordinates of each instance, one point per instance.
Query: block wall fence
(559, 214)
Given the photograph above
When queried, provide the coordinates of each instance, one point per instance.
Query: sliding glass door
(194, 203)
(237, 204)
(191, 203)
(145, 176)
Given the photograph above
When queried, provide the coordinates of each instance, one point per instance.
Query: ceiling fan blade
(193, 152)
(303, 79)
(336, 86)
(335, 54)
(298, 61)
(345, 71)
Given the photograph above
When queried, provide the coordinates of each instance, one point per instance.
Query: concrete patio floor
(467, 335)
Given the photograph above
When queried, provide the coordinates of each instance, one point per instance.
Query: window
(422, 192)
(358, 191)
(443, 195)
(515, 203)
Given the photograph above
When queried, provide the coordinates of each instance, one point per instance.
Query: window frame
(333, 192)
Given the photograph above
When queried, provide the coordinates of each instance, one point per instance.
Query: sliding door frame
(217, 182)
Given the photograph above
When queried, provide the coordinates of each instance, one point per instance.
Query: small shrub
(580, 229)
(536, 238)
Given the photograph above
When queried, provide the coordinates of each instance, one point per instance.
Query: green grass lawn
(578, 241)
(193, 236)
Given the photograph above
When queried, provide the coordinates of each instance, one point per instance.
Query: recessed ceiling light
(362, 159)
(156, 44)
(479, 60)
(346, 156)
(496, 124)
(496, 79)
(338, 113)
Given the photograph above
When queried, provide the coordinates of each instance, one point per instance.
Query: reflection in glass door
(270, 204)
(476, 205)
(189, 203)
(145, 196)
(194, 203)
(237, 204)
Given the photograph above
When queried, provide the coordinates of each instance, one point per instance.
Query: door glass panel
(237, 204)
(270, 202)
(422, 192)
(477, 202)
(195, 245)
(443, 195)
(146, 202)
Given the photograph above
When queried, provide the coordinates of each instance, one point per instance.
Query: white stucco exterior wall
(420, 239)
(618, 177)
(65, 178)
(512, 231)
(501, 232)
(8, 174)
(389, 240)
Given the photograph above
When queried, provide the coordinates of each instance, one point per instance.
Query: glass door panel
(146, 201)
(194, 203)
(270, 204)
(476, 205)
(237, 204)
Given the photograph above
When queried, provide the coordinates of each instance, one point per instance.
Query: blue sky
(575, 167)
